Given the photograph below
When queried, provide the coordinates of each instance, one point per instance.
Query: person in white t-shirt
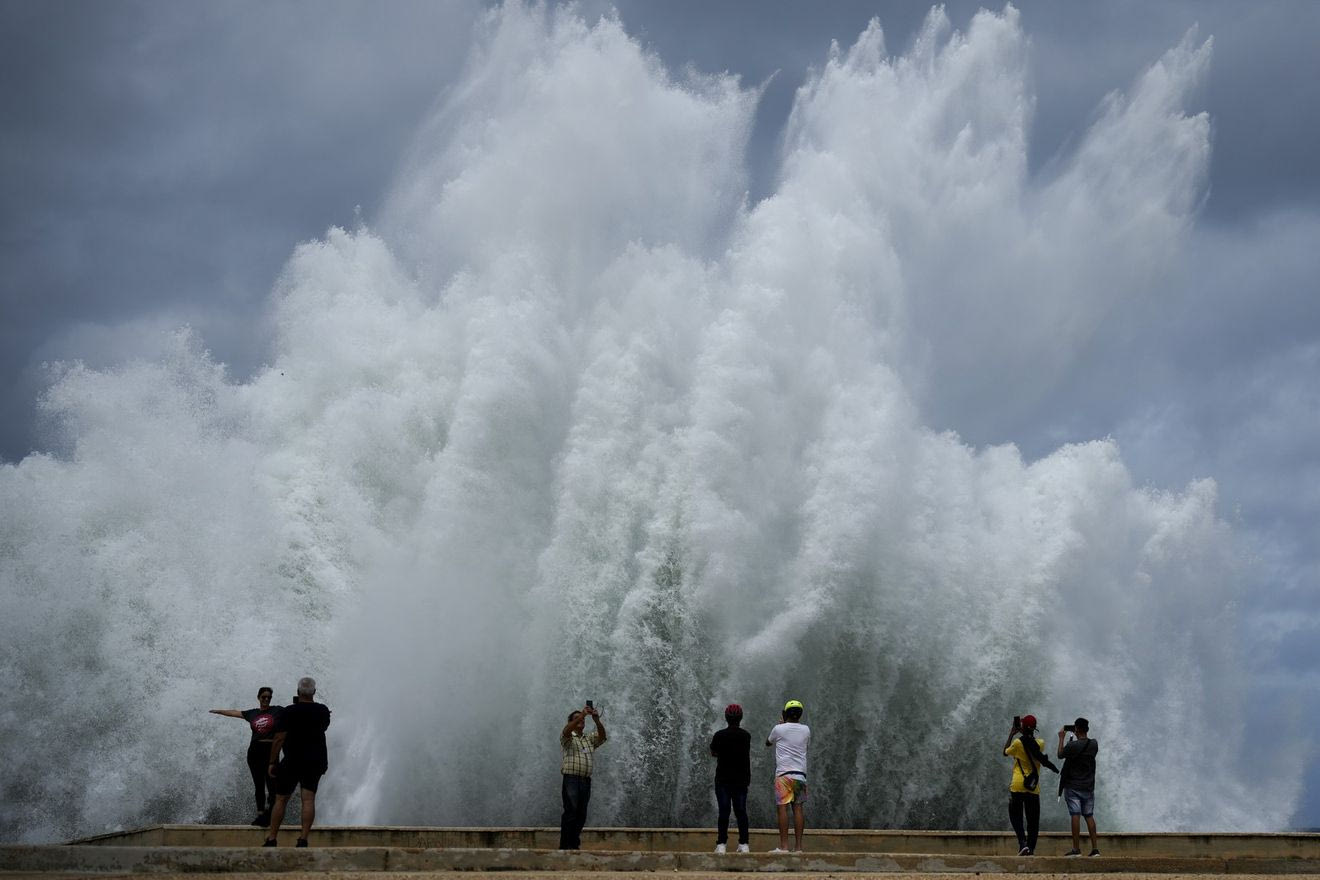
(790, 739)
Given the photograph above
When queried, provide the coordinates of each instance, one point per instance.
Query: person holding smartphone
(575, 766)
(1077, 781)
(1028, 754)
(300, 736)
(790, 739)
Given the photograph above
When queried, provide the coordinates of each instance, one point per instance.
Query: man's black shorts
(289, 775)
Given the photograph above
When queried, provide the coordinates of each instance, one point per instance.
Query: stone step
(702, 840)
(104, 860)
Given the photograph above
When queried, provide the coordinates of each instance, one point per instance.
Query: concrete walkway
(103, 860)
(353, 852)
(702, 840)
(615, 875)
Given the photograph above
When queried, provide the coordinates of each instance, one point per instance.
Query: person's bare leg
(1076, 831)
(308, 812)
(1090, 827)
(799, 823)
(277, 816)
(783, 826)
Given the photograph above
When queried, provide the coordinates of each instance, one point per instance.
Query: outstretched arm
(601, 736)
(1058, 753)
(1034, 751)
(228, 713)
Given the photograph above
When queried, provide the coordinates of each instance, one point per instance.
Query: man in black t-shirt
(732, 748)
(300, 733)
(1077, 781)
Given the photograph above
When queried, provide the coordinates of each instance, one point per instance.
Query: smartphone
(1017, 721)
(590, 705)
(1070, 728)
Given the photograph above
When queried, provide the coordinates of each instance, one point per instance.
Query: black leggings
(1018, 804)
(258, 757)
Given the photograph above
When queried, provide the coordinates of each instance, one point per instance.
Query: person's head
(793, 711)
(265, 695)
(578, 719)
(306, 688)
(1028, 723)
(1082, 726)
(733, 714)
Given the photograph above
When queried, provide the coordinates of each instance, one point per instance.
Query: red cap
(733, 710)
(1028, 722)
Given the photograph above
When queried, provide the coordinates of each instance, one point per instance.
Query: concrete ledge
(702, 840)
(256, 860)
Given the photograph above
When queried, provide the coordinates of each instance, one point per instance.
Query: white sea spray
(573, 421)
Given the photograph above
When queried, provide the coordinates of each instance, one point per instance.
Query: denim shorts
(1080, 803)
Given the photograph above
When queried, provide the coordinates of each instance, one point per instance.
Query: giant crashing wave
(574, 420)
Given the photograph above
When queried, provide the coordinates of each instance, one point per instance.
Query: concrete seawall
(676, 840)
(346, 851)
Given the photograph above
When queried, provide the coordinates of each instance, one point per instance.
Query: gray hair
(306, 686)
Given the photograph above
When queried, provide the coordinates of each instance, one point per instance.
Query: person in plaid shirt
(576, 765)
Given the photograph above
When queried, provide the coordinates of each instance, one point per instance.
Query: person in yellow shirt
(1028, 754)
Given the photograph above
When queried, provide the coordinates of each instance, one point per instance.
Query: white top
(790, 740)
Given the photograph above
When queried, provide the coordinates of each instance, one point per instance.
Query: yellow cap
(792, 704)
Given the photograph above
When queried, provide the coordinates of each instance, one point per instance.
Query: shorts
(790, 789)
(1080, 803)
(289, 776)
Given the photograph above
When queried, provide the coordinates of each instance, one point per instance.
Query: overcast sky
(161, 160)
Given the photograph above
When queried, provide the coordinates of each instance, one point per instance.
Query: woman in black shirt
(262, 721)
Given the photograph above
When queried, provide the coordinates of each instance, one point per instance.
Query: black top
(1079, 764)
(732, 748)
(303, 725)
(262, 722)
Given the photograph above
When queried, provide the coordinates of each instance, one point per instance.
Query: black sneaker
(1095, 852)
(301, 844)
(262, 820)
(1072, 852)
(270, 842)
(1025, 851)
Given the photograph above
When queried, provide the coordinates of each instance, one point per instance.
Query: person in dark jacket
(732, 750)
(1077, 781)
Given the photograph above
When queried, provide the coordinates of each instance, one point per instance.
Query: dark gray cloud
(165, 159)
(1264, 77)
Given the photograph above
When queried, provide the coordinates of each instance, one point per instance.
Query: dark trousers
(731, 796)
(1020, 804)
(576, 791)
(258, 756)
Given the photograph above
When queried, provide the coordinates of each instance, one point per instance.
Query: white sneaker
(742, 847)
(719, 848)
(778, 850)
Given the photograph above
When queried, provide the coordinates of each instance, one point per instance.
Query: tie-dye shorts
(790, 790)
